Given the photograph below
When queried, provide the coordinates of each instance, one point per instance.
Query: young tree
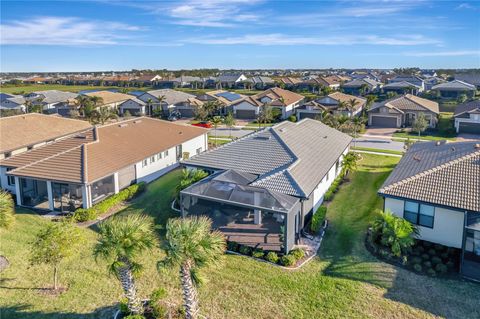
(265, 115)
(122, 240)
(191, 245)
(216, 120)
(229, 122)
(420, 124)
(7, 209)
(357, 125)
(349, 162)
(102, 114)
(54, 243)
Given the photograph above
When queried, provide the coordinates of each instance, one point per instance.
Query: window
(419, 214)
(165, 154)
(144, 163)
(152, 159)
(199, 150)
(10, 179)
(8, 154)
(327, 177)
(159, 156)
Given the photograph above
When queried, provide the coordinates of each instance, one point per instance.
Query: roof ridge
(431, 170)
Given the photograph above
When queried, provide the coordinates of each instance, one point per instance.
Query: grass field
(25, 89)
(345, 281)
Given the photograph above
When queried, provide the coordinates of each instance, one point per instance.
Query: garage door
(304, 115)
(471, 128)
(186, 112)
(126, 177)
(384, 121)
(245, 114)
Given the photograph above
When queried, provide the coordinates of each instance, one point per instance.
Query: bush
(134, 317)
(232, 246)
(431, 272)
(288, 260)
(245, 250)
(272, 257)
(450, 264)
(317, 219)
(438, 247)
(427, 264)
(425, 256)
(432, 252)
(297, 253)
(441, 268)
(258, 253)
(427, 244)
(328, 196)
(436, 260)
(444, 255)
(83, 215)
(420, 249)
(123, 305)
(417, 267)
(292, 118)
(159, 310)
(416, 260)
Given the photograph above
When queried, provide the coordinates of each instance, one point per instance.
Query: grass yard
(345, 281)
(25, 89)
(444, 131)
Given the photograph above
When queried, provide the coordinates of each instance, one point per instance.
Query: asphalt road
(378, 143)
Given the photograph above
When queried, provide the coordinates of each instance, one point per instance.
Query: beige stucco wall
(448, 225)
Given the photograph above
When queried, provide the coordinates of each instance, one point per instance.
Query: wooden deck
(238, 225)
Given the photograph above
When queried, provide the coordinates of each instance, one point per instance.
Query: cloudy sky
(121, 35)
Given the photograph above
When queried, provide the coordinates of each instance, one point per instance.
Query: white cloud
(465, 6)
(284, 39)
(64, 31)
(444, 53)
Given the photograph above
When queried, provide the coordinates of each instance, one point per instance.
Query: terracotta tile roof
(279, 96)
(110, 97)
(445, 174)
(33, 128)
(342, 97)
(409, 102)
(110, 149)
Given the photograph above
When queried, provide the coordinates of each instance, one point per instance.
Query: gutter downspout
(464, 238)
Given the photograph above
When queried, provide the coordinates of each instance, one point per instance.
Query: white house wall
(4, 181)
(448, 225)
(245, 106)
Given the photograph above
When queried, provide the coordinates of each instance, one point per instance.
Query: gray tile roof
(360, 82)
(400, 85)
(472, 78)
(172, 97)
(445, 174)
(408, 102)
(291, 158)
(454, 85)
(54, 96)
(229, 77)
(467, 107)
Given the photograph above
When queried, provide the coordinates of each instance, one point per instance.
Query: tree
(201, 113)
(462, 98)
(191, 245)
(122, 240)
(213, 107)
(229, 122)
(7, 209)
(349, 162)
(190, 177)
(33, 105)
(394, 232)
(357, 125)
(86, 105)
(351, 105)
(149, 107)
(54, 243)
(265, 115)
(216, 120)
(420, 124)
(102, 114)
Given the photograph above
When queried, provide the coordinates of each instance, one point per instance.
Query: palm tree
(191, 245)
(103, 114)
(121, 241)
(351, 105)
(357, 125)
(216, 120)
(349, 162)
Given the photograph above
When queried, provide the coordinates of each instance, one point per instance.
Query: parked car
(175, 115)
(204, 124)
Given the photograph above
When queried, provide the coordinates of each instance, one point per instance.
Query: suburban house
(361, 86)
(170, 100)
(430, 82)
(335, 103)
(289, 82)
(134, 106)
(455, 88)
(414, 80)
(51, 100)
(470, 78)
(232, 80)
(401, 111)
(21, 133)
(331, 81)
(262, 82)
(86, 167)
(402, 87)
(147, 80)
(12, 102)
(284, 100)
(264, 187)
(112, 100)
(226, 98)
(467, 117)
(436, 186)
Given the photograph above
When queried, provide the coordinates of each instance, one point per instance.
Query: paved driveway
(379, 143)
(468, 137)
(222, 131)
(380, 131)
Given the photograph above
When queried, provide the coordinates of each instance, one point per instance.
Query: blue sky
(121, 35)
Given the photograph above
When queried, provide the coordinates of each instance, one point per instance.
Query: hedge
(317, 219)
(83, 215)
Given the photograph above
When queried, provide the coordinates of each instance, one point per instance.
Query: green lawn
(25, 89)
(344, 282)
(444, 131)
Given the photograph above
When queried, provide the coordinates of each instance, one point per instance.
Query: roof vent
(122, 125)
(180, 132)
(438, 143)
(137, 121)
(325, 136)
(453, 148)
(476, 146)
(417, 158)
(262, 137)
(82, 136)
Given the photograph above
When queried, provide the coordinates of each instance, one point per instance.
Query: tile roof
(467, 107)
(409, 102)
(110, 97)
(33, 128)
(472, 78)
(279, 97)
(291, 158)
(360, 82)
(171, 97)
(54, 96)
(400, 85)
(445, 174)
(342, 97)
(103, 151)
(454, 85)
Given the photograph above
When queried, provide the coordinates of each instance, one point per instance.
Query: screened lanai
(253, 216)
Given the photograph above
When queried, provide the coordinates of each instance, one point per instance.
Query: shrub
(425, 256)
(258, 253)
(292, 118)
(438, 247)
(7, 209)
(431, 272)
(297, 253)
(427, 264)
(83, 215)
(232, 246)
(450, 264)
(328, 196)
(416, 260)
(436, 260)
(123, 305)
(245, 250)
(288, 260)
(420, 249)
(272, 257)
(159, 310)
(441, 268)
(158, 294)
(317, 219)
(134, 317)
(417, 267)
(427, 244)
(444, 255)
(432, 252)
